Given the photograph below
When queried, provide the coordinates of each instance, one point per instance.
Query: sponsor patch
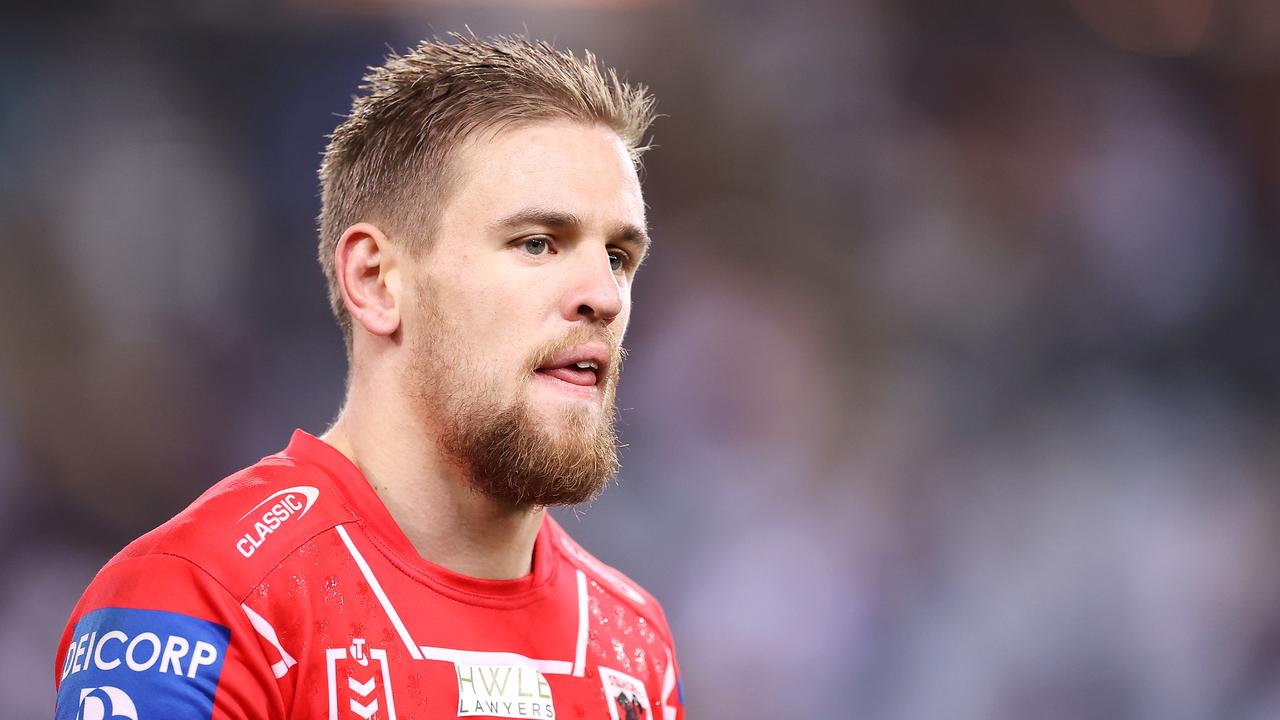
(503, 691)
(625, 696)
(270, 514)
(141, 664)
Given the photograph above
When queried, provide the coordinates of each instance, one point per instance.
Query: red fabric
(269, 542)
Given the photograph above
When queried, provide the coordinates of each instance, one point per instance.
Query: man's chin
(540, 452)
(561, 420)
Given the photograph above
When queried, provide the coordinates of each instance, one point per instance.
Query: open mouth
(582, 366)
(581, 373)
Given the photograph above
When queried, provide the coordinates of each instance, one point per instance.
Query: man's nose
(594, 292)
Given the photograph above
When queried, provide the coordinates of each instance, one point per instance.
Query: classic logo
(106, 702)
(362, 678)
(293, 502)
(503, 691)
(626, 696)
(129, 663)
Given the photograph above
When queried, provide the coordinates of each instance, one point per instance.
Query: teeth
(587, 365)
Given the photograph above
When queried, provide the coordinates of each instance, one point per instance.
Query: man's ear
(368, 274)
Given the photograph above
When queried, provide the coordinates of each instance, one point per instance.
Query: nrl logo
(362, 678)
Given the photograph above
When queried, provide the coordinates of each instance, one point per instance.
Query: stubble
(501, 444)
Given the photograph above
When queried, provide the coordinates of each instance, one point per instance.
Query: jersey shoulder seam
(613, 581)
(118, 561)
(260, 577)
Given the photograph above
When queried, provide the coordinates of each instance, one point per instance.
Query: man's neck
(448, 521)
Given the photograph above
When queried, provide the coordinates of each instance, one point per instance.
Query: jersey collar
(382, 527)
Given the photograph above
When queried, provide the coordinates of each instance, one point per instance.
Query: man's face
(520, 306)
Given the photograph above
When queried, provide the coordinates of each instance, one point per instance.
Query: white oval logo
(292, 502)
(105, 702)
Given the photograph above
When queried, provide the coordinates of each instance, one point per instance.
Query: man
(481, 227)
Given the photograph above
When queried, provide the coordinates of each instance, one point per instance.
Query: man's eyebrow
(559, 220)
(634, 234)
(539, 216)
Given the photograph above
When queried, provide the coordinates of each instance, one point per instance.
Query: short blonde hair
(387, 163)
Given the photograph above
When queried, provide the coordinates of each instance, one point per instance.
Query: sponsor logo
(503, 691)
(105, 702)
(288, 503)
(603, 571)
(625, 695)
(362, 679)
(129, 663)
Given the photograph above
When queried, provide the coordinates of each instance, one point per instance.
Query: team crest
(625, 695)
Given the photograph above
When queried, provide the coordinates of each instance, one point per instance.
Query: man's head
(389, 163)
(481, 226)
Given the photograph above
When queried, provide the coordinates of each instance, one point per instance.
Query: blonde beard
(502, 447)
(512, 458)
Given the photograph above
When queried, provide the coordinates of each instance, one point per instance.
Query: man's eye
(617, 260)
(534, 245)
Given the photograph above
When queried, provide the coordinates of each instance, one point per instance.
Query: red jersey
(288, 591)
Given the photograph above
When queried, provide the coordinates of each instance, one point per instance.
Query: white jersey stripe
(268, 633)
(500, 659)
(668, 684)
(331, 658)
(382, 596)
(476, 657)
(580, 657)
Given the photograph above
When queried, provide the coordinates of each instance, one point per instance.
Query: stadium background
(955, 375)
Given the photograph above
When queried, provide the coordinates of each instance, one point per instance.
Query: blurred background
(954, 386)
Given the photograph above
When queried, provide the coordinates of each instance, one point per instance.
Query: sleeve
(158, 637)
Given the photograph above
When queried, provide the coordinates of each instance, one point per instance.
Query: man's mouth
(582, 365)
(582, 373)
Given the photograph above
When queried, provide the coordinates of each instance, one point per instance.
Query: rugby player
(481, 228)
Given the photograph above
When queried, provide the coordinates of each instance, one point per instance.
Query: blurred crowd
(954, 386)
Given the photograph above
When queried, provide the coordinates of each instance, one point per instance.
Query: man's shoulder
(245, 525)
(613, 581)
